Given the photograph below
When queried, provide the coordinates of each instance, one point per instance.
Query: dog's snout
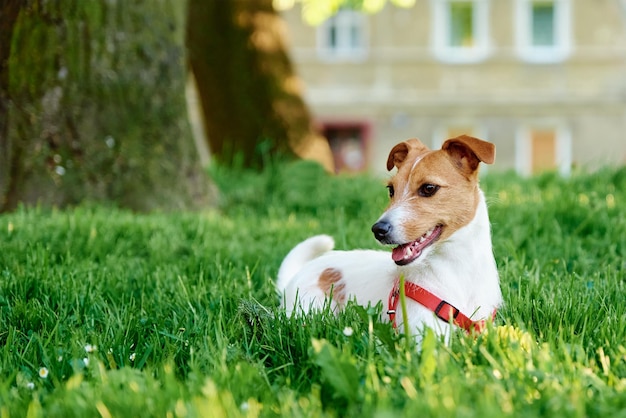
(381, 230)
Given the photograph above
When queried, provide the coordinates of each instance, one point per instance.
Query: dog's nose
(381, 230)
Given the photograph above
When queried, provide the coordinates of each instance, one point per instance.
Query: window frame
(343, 21)
(441, 31)
(364, 127)
(561, 50)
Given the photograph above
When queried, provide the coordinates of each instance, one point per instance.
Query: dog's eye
(427, 190)
(391, 191)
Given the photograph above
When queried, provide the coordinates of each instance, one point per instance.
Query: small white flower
(86, 361)
(30, 385)
(110, 141)
(90, 348)
(348, 331)
(60, 170)
(43, 372)
(62, 74)
(132, 356)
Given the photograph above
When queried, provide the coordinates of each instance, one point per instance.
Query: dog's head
(433, 194)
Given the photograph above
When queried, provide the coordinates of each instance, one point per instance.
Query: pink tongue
(399, 252)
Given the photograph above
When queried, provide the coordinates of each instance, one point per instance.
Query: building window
(343, 37)
(543, 30)
(348, 142)
(542, 24)
(461, 30)
(543, 148)
(461, 25)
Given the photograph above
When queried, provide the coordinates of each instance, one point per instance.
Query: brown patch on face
(330, 283)
(453, 205)
(453, 169)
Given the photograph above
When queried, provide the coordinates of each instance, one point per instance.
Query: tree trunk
(250, 96)
(8, 15)
(98, 108)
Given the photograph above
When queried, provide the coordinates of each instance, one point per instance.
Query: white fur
(306, 251)
(397, 216)
(407, 190)
(460, 270)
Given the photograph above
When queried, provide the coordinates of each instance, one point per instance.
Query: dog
(437, 220)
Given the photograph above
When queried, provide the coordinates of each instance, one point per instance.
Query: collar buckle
(452, 311)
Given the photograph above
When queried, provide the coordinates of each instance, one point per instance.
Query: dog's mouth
(407, 253)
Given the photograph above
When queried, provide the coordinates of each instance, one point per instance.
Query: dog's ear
(398, 154)
(467, 152)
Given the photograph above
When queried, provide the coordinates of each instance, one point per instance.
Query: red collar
(444, 310)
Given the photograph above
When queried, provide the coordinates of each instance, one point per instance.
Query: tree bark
(98, 110)
(8, 157)
(251, 99)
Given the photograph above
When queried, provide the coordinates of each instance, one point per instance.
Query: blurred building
(544, 80)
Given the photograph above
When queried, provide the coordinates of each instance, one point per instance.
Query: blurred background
(545, 80)
(129, 102)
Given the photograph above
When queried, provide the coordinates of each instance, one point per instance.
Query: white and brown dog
(438, 220)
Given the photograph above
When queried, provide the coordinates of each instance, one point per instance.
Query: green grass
(176, 314)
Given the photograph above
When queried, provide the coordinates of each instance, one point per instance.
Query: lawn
(108, 313)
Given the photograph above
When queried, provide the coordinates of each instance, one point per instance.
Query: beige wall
(401, 90)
